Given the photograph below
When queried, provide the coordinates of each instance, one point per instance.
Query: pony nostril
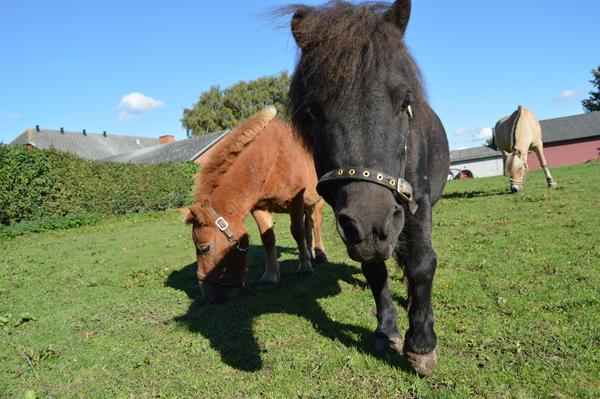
(349, 228)
(391, 223)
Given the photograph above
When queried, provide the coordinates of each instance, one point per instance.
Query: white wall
(481, 168)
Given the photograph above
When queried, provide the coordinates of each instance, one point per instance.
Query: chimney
(37, 128)
(104, 133)
(166, 139)
(62, 130)
(84, 133)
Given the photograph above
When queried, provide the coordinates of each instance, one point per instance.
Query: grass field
(113, 310)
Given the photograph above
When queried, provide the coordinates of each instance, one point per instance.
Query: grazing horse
(516, 135)
(258, 168)
(381, 153)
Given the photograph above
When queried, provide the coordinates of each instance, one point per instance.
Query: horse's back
(288, 168)
(502, 134)
(517, 130)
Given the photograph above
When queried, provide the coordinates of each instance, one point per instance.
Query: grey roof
(470, 154)
(553, 130)
(89, 146)
(571, 127)
(184, 150)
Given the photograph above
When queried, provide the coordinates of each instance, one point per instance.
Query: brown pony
(258, 168)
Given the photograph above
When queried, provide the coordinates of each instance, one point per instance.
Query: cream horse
(516, 136)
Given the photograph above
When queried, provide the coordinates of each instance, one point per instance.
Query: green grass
(113, 310)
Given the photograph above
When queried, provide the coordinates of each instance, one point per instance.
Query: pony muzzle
(515, 186)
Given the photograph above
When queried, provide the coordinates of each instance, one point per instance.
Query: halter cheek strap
(223, 226)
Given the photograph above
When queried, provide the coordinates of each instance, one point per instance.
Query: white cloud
(134, 104)
(566, 94)
(472, 135)
(483, 134)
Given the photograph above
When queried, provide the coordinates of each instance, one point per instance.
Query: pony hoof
(384, 345)
(423, 364)
(552, 184)
(320, 257)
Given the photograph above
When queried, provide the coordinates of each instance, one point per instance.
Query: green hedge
(47, 183)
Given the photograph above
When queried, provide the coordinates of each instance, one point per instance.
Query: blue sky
(131, 67)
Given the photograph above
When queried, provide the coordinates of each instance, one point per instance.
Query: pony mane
(515, 126)
(227, 150)
(353, 40)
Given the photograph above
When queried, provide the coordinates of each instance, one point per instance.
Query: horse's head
(351, 94)
(516, 168)
(221, 252)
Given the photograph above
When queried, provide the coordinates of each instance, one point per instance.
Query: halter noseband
(401, 188)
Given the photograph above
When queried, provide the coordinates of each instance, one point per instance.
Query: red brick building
(570, 140)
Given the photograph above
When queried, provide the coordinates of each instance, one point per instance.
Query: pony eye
(204, 249)
(401, 97)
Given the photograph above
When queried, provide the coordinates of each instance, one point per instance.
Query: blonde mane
(515, 127)
(227, 150)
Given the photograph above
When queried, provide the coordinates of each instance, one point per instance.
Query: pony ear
(399, 13)
(189, 214)
(301, 37)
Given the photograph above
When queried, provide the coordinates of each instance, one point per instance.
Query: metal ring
(379, 177)
(351, 172)
(340, 172)
(393, 182)
(366, 173)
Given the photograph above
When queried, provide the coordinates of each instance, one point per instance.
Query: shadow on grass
(474, 194)
(228, 326)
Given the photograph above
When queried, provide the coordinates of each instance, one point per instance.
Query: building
(92, 146)
(569, 140)
(119, 148)
(473, 162)
(196, 149)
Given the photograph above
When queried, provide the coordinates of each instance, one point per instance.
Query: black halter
(402, 189)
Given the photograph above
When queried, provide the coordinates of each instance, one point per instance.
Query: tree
(224, 109)
(593, 103)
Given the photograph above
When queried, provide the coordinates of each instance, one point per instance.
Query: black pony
(381, 153)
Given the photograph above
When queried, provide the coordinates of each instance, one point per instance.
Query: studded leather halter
(401, 188)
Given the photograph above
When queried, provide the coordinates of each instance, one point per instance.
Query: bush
(48, 223)
(47, 183)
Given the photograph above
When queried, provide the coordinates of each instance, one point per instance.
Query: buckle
(222, 223)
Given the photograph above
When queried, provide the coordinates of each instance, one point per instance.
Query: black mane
(344, 41)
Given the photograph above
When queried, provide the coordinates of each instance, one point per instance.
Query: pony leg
(308, 228)
(387, 337)
(297, 227)
(420, 263)
(267, 235)
(539, 151)
(320, 255)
